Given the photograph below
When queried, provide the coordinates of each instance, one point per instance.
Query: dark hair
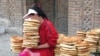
(39, 11)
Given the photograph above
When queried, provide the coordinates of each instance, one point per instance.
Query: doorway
(56, 11)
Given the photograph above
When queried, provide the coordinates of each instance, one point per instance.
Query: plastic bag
(27, 52)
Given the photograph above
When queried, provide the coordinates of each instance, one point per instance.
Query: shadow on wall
(4, 23)
(4, 28)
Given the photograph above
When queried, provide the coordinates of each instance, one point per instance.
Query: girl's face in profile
(35, 16)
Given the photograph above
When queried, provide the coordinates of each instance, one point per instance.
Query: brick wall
(74, 16)
(48, 8)
(61, 18)
(29, 4)
(12, 10)
(3, 9)
(97, 14)
(83, 15)
(15, 12)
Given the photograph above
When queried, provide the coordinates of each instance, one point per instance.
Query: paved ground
(5, 40)
(5, 45)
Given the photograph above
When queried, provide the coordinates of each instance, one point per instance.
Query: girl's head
(35, 12)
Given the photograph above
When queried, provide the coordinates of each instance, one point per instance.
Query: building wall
(68, 16)
(12, 11)
(97, 14)
(3, 11)
(61, 17)
(48, 7)
(29, 4)
(73, 16)
(57, 12)
(83, 15)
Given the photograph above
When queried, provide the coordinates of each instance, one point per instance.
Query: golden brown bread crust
(72, 39)
(83, 44)
(31, 24)
(16, 39)
(32, 41)
(29, 45)
(30, 28)
(31, 38)
(31, 33)
(32, 20)
(16, 49)
(81, 32)
(16, 44)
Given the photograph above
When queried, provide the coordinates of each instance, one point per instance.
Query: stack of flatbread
(93, 37)
(59, 41)
(57, 50)
(83, 49)
(68, 50)
(81, 34)
(68, 46)
(99, 46)
(60, 38)
(16, 44)
(31, 35)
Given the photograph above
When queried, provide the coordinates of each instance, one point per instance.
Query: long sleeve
(52, 34)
